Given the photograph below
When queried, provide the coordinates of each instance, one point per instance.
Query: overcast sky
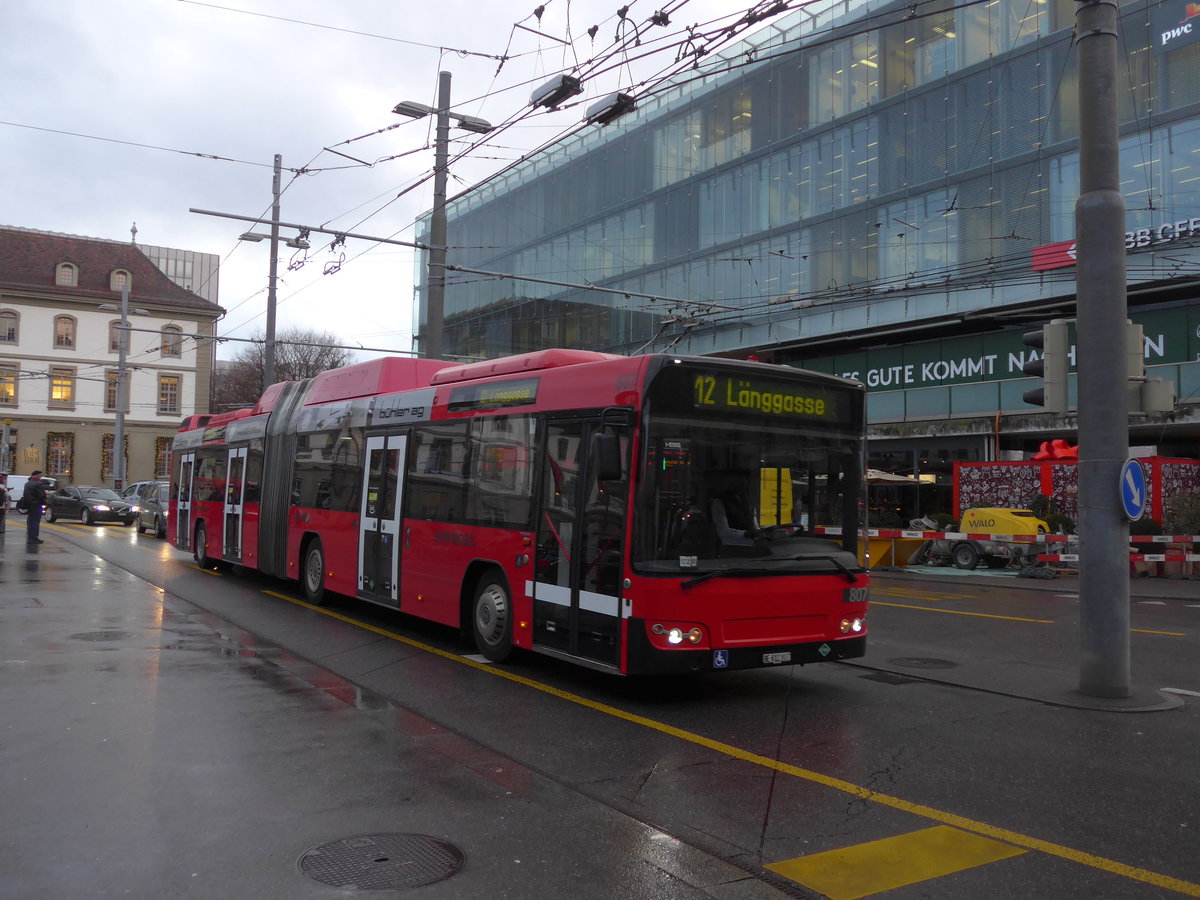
(112, 110)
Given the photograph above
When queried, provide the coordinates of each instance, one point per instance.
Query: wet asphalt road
(173, 732)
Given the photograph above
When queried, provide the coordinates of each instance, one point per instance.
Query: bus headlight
(679, 634)
(852, 626)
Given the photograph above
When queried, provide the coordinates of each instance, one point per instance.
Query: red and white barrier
(1134, 556)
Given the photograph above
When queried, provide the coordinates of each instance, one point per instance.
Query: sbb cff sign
(1061, 254)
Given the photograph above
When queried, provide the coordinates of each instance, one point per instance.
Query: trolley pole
(1103, 405)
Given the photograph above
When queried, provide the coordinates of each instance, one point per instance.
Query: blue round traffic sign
(1133, 489)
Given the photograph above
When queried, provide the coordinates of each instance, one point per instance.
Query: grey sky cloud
(170, 84)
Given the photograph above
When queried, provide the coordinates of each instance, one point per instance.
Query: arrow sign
(1133, 489)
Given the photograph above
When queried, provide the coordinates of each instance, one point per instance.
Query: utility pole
(1101, 311)
(435, 313)
(272, 278)
(122, 392)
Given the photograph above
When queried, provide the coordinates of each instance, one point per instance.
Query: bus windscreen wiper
(742, 573)
(850, 576)
(728, 573)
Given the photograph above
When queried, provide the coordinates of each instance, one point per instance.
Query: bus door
(580, 541)
(235, 492)
(379, 518)
(183, 503)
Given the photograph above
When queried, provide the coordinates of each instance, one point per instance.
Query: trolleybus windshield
(737, 472)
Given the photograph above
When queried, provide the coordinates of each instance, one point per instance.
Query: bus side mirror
(606, 456)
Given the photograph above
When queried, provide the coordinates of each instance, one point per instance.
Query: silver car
(152, 504)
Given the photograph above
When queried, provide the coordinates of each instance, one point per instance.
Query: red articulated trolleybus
(649, 514)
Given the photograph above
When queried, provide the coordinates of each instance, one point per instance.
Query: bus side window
(438, 468)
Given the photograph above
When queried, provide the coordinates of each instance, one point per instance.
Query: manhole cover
(101, 636)
(382, 862)
(923, 662)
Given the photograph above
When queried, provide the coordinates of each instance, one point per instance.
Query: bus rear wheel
(314, 572)
(200, 549)
(491, 617)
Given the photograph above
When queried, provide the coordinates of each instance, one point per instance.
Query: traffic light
(1051, 343)
(1135, 364)
(1146, 395)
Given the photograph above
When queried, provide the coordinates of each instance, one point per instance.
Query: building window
(13, 442)
(8, 384)
(168, 394)
(118, 280)
(62, 388)
(111, 390)
(64, 333)
(106, 457)
(9, 320)
(172, 341)
(114, 336)
(162, 458)
(66, 275)
(60, 454)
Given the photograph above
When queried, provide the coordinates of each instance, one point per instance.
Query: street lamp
(122, 386)
(272, 277)
(436, 297)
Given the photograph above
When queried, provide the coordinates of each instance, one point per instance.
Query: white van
(16, 487)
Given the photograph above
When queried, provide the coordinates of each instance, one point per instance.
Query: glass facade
(847, 174)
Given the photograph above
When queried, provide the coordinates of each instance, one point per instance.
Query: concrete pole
(435, 308)
(122, 392)
(272, 279)
(1100, 332)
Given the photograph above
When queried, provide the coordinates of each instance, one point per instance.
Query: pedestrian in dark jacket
(33, 498)
(3, 500)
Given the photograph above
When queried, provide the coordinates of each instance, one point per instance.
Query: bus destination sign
(494, 396)
(739, 393)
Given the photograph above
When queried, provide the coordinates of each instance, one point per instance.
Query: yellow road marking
(1164, 633)
(958, 612)
(921, 595)
(850, 873)
(1015, 838)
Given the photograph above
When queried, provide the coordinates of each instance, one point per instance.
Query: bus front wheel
(491, 617)
(314, 572)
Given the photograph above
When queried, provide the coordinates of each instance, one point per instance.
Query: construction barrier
(878, 537)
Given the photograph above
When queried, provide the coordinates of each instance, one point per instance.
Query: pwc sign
(1175, 25)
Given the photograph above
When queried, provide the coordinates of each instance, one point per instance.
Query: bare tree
(299, 353)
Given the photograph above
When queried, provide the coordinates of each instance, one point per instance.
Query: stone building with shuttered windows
(60, 298)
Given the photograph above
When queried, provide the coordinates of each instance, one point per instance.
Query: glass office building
(882, 190)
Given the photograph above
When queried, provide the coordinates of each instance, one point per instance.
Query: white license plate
(774, 659)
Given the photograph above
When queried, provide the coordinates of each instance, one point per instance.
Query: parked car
(89, 504)
(131, 491)
(16, 487)
(152, 508)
